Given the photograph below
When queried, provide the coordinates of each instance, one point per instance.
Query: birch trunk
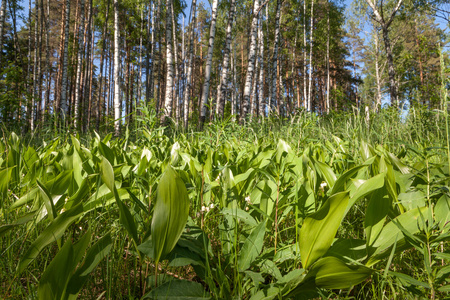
(261, 67)
(78, 84)
(189, 67)
(100, 86)
(226, 59)
(328, 57)
(2, 22)
(64, 104)
(275, 94)
(305, 95)
(169, 61)
(177, 78)
(311, 41)
(212, 34)
(251, 62)
(116, 70)
(385, 23)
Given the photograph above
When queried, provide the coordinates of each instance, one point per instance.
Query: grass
(267, 185)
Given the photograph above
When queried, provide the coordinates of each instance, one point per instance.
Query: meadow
(344, 206)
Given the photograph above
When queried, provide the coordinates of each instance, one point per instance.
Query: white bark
(78, 84)
(2, 23)
(328, 57)
(275, 54)
(116, 70)
(226, 59)
(169, 61)
(251, 62)
(212, 34)
(189, 66)
(305, 95)
(311, 41)
(177, 78)
(64, 104)
(261, 67)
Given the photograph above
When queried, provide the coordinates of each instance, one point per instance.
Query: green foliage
(308, 209)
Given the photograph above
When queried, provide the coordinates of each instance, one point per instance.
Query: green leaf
(93, 257)
(107, 173)
(392, 233)
(332, 273)
(252, 247)
(406, 278)
(125, 216)
(178, 290)
(51, 233)
(442, 211)
(376, 212)
(240, 214)
(319, 229)
(366, 188)
(326, 172)
(170, 213)
(54, 279)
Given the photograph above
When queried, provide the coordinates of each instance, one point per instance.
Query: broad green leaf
(240, 214)
(51, 233)
(170, 213)
(124, 214)
(252, 247)
(332, 273)
(269, 294)
(376, 212)
(178, 290)
(392, 233)
(93, 257)
(319, 229)
(327, 172)
(442, 211)
(55, 278)
(107, 173)
(340, 184)
(406, 278)
(366, 188)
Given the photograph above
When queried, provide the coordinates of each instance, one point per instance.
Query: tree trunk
(78, 83)
(251, 62)
(261, 67)
(2, 22)
(116, 70)
(275, 89)
(169, 62)
(176, 102)
(64, 78)
(328, 58)
(102, 57)
(189, 66)
(212, 34)
(311, 41)
(379, 15)
(226, 59)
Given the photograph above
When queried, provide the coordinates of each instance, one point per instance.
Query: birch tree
(78, 83)
(251, 62)
(384, 19)
(2, 22)
(169, 63)
(226, 59)
(212, 34)
(64, 104)
(116, 70)
(275, 95)
(189, 66)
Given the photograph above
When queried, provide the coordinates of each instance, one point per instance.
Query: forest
(264, 149)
